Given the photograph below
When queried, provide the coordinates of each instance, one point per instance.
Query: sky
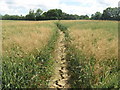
(79, 7)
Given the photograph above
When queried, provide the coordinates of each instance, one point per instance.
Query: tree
(57, 14)
(53, 14)
(43, 16)
(31, 15)
(86, 17)
(11, 17)
(64, 16)
(111, 14)
(5, 17)
(96, 16)
(106, 14)
(38, 14)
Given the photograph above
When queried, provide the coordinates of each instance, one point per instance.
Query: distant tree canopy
(108, 14)
(31, 15)
(96, 16)
(58, 14)
(12, 17)
(38, 14)
(111, 14)
(53, 14)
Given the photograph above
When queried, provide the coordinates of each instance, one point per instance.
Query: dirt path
(60, 77)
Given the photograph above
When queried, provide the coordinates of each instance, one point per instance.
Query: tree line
(57, 14)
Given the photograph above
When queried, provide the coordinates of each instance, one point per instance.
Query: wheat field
(90, 49)
(22, 41)
(97, 41)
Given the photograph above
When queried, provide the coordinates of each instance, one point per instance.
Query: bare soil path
(60, 77)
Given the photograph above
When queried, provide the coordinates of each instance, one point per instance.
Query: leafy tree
(43, 16)
(64, 16)
(96, 16)
(76, 17)
(53, 14)
(31, 15)
(106, 14)
(6, 17)
(22, 17)
(11, 17)
(86, 17)
(111, 14)
(69, 16)
(57, 14)
(38, 14)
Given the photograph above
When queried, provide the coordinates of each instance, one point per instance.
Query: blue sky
(80, 7)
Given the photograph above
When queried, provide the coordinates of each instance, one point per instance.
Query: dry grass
(99, 43)
(27, 35)
(27, 59)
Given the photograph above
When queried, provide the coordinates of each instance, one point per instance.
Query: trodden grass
(91, 53)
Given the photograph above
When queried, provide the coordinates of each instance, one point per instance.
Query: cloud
(23, 6)
(79, 7)
(88, 6)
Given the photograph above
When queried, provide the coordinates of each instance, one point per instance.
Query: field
(23, 42)
(34, 50)
(95, 46)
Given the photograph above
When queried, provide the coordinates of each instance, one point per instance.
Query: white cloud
(79, 7)
(23, 6)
